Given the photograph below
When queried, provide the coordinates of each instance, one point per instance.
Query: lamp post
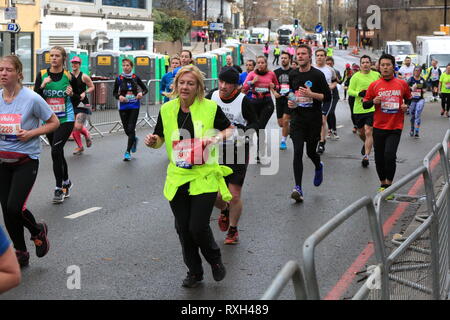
(329, 22)
(357, 24)
(319, 4)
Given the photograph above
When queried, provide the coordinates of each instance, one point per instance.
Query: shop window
(127, 44)
(138, 4)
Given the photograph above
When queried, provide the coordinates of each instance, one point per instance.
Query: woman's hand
(69, 91)
(24, 135)
(139, 96)
(123, 99)
(45, 82)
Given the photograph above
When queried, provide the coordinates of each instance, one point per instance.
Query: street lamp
(319, 3)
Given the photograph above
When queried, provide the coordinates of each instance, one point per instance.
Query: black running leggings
(385, 144)
(129, 119)
(445, 101)
(192, 216)
(264, 109)
(351, 103)
(331, 118)
(311, 136)
(15, 187)
(57, 140)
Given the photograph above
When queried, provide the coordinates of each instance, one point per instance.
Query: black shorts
(435, 84)
(326, 107)
(362, 119)
(282, 107)
(238, 175)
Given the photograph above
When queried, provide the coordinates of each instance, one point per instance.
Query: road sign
(13, 27)
(216, 26)
(199, 23)
(11, 13)
(318, 28)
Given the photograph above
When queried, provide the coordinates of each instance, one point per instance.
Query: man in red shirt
(391, 98)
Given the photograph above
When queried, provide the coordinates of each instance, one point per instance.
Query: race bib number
(390, 105)
(284, 89)
(447, 85)
(58, 106)
(130, 96)
(10, 126)
(408, 75)
(261, 90)
(302, 101)
(416, 94)
(188, 152)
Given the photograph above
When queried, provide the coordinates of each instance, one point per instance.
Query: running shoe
(416, 135)
(218, 271)
(389, 197)
(192, 280)
(78, 151)
(354, 129)
(329, 135)
(232, 237)
(88, 142)
(127, 156)
(283, 145)
(134, 147)
(442, 113)
(297, 194)
(41, 241)
(318, 176)
(411, 133)
(224, 220)
(66, 189)
(365, 162)
(321, 147)
(58, 196)
(23, 258)
(336, 137)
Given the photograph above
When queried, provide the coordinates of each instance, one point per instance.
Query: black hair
(286, 53)
(387, 56)
(252, 61)
(365, 57)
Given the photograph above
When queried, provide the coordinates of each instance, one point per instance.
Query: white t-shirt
(329, 73)
(406, 72)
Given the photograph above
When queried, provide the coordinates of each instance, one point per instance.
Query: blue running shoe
(127, 156)
(318, 177)
(283, 145)
(297, 194)
(134, 147)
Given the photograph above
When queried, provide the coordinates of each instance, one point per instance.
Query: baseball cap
(76, 59)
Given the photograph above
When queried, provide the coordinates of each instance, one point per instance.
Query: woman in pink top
(266, 50)
(261, 82)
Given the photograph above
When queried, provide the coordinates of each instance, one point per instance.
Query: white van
(433, 47)
(400, 50)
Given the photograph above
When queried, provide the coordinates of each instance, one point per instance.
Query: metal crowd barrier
(419, 268)
(290, 271)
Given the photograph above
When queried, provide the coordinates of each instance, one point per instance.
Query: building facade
(118, 25)
(28, 39)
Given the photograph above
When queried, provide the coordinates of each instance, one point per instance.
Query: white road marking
(84, 212)
(339, 127)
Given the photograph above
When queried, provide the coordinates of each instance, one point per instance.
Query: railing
(419, 266)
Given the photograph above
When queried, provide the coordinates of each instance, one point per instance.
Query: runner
(444, 90)
(10, 276)
(55, 86)
(406, 70)
(351, 100)
(239, 111)
(346, 79)
(266, 50)
(21, 112)
(276, 55)
(359, 84)
(418, 87)
(191, 186)
(229, 63)
(309, 89)
(331, 78)
(294, 65)
(331, 119)
(186, 58)
(127, 92)
(261, 82)
(283, 112)
(434, 73)
(167, 79)
(391, 97)
(291, 50)
(82, 85)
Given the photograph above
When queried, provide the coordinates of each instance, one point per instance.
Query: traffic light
(296, 23)
(269, 24)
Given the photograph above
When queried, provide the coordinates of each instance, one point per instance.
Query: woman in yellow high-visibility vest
(191, 126)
